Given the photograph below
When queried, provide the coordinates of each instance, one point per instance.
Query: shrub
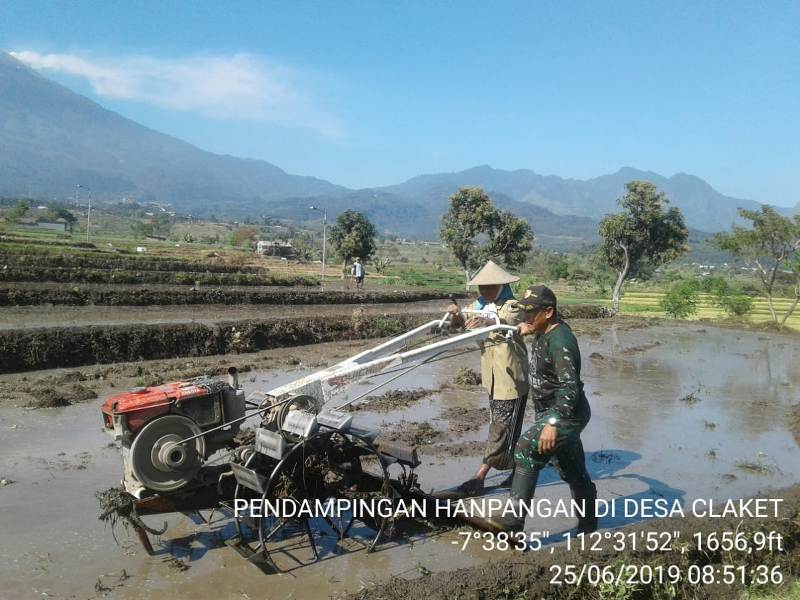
(680, 300)
(737, 305)
(726, 297)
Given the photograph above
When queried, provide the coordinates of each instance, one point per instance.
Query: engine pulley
(158, 459)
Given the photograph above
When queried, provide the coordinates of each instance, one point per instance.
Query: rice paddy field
(648, 303)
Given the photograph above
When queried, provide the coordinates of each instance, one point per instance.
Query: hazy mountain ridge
(704, 208)
(51, 139)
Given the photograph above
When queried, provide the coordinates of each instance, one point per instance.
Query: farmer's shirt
(358, 270)
(504, 363)
(555, 375)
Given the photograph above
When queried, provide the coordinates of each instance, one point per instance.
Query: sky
(369, 93)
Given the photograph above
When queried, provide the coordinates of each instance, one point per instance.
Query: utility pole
(89, 215)
(324, 240)
(89, 211)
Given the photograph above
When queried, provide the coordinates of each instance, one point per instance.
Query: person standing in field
(562, 412)
(504, 372)
(358, 273)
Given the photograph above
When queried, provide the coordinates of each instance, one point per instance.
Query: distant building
(57, 225)
(274, 248)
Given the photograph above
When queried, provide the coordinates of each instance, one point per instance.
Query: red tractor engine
(154, 423)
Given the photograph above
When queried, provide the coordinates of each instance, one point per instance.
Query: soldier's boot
(506, 483)
(522, 488)
(587, 496)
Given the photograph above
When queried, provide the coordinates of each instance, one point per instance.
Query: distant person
(358, 273)
(504, 372)
(562, 412)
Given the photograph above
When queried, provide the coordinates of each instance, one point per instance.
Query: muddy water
(21, 317)
(679, 411)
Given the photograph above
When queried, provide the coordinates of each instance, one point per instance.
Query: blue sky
(371, 93)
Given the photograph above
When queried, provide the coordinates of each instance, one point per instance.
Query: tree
(20, 210)
(475, 231)
(353, 235)
(381, 264)
(772, 243)
(55, 212)
(243, 236)
(726, 296)
(680, 301)
(646, 234)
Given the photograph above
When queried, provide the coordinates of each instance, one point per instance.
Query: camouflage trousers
(505, 426)
(567, 457)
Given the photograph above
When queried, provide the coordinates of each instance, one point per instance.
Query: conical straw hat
(492, 274)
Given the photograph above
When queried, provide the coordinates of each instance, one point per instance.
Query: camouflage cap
(538, 296)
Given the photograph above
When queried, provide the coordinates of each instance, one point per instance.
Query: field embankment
(56, 347)
(28, 295)
(47, 348)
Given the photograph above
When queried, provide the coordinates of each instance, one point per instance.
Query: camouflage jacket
(555, 375)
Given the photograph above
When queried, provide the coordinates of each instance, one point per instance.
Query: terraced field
(649, 303)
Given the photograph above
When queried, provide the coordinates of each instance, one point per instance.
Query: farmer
(562, 412)
(358, 273)
(504, 372)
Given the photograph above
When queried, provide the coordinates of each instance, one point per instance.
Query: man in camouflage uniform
(504, 372)
(562, 412)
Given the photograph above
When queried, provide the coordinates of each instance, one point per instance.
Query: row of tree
(647, 233)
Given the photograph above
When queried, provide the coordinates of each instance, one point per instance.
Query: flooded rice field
(680, 411)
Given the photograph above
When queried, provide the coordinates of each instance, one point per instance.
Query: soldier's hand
(547, 439)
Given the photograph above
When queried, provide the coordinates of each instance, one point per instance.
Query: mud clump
(597, 356)
(794, 422)
(467, 377)
(4, 482)
(460, 449)
(53, 397)
(605, 458)
(118, 505)
(691, 398)
(413, 433)
(639, 349)
(463, 420)
(391, 400)
(177, 564)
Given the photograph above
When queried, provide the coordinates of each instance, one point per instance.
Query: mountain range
(52, 139)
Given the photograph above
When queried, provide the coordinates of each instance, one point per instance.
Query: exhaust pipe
(233, 378)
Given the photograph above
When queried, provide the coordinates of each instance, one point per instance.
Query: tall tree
(353, 235)
(475, 231)
(772, 242)
(646, 231)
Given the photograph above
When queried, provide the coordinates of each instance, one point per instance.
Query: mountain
(421, 219)
(52, 139)
(704, 208)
